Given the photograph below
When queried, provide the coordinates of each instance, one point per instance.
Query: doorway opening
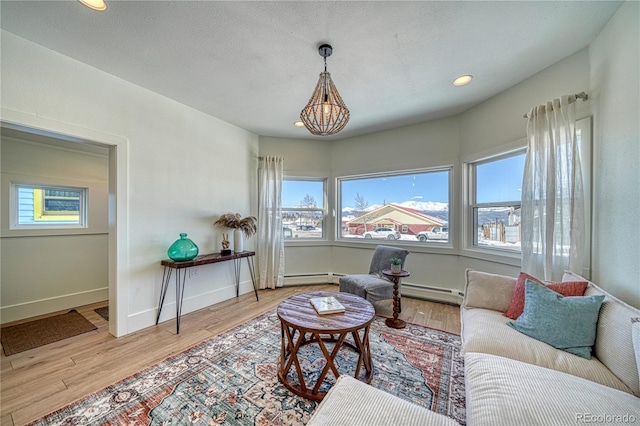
(116, 147)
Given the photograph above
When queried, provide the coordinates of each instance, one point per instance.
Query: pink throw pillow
(569, 288)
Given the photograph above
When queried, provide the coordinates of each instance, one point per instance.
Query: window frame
(584, 125)
(472, 203)
(428, 245)
(323, 210)
(41, 219)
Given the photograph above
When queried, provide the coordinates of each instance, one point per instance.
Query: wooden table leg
(395, 322)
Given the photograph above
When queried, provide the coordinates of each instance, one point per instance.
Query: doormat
(22, 337)
(103, 312)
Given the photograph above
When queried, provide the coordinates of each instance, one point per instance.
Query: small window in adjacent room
(41, 206)
(303, 208)
(496, 193)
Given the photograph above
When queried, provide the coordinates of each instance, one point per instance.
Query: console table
(205, 259)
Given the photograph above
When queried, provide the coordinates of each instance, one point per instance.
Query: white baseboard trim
(46, 306)
(147, 318)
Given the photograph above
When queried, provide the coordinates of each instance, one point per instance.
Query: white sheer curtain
(270, 243)
(552, 192)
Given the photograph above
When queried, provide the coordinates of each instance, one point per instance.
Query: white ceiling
(255, 63)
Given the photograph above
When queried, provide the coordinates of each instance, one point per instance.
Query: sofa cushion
(614, 331)
(352, 402)
(486, 331)
(569, 288)
(635, 337)
(566, 323)
(501, 391)
(488, 291)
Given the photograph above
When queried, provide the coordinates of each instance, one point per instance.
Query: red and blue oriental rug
(232, 379)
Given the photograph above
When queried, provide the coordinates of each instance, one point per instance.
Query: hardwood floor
(42, 380)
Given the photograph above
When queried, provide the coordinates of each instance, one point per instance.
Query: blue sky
(415, 187)
(500, 180)
(497, 181)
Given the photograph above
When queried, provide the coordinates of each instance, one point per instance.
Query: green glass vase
(183, 249)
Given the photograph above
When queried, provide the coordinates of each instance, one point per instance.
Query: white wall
(614, 62)
(611, 63)
(499, 120)
(484, 129)
(498, 125)
(184, 168)
(50, 270)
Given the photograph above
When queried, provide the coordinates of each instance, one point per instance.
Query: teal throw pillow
(567, 323)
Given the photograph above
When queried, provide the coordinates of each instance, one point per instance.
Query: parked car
(382, 234)
(306, 228)
(437, 233)
(287, 232)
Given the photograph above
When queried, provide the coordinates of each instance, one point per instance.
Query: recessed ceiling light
(462, 80)
(298, 124)
(95, 4)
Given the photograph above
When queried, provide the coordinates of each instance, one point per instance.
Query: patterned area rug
(232, 379)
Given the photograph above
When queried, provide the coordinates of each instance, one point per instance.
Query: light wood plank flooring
(42, 380)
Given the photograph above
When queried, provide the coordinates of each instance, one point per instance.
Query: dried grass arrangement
(247, 225)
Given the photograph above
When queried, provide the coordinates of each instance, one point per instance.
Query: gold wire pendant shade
(325, 113)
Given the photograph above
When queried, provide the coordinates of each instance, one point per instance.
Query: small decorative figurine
(225, 245)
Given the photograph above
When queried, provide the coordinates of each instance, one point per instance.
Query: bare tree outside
(361, 205)
(308, 217)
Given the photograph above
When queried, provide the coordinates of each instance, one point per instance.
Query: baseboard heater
(311, 278)
(426, 287)
(412, 290)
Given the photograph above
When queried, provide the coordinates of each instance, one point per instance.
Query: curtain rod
(581, 95)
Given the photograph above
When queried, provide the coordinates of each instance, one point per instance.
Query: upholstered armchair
(375, 286)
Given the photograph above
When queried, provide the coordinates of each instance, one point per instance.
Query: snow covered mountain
(440, 210)
(426, 206)
(431, 208)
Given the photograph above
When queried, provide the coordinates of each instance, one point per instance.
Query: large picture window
(411, 206)
(48, 206)
(495, 201)
(303, 208)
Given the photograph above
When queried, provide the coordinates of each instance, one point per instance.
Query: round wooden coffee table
(302, 325)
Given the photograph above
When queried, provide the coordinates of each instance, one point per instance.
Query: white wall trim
(141, 320)
(118, 197)
(53, 304)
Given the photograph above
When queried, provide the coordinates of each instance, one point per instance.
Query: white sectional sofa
(512, 379)
(353, 403)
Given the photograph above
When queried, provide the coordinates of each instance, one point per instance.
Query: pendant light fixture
(325, 113)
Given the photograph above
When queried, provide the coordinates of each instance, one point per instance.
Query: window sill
(295, 242)
(496, 256)
(412, 246)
